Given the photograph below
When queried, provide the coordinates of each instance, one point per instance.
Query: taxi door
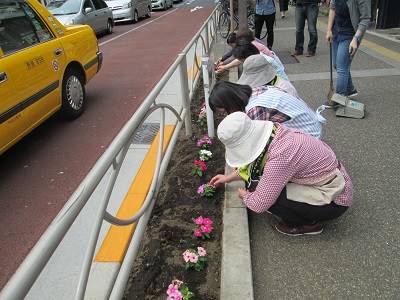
(10, 126)
(36, 61)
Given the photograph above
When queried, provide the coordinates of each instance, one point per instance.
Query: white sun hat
(257, 71)
(244, 139)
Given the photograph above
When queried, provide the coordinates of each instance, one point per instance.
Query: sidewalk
(356, 257)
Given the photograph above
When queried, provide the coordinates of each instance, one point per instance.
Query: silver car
(161, 4)
(95, 13)
(129, 10)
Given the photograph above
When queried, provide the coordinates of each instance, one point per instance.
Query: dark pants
(269, 23)
(307, 12)
(283, 5)
(298, 213)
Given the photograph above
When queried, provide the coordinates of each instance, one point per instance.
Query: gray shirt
(360, 13)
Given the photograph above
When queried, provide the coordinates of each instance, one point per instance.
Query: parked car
(162, 4)
(129, 10)
(95, 13)
(44, 67)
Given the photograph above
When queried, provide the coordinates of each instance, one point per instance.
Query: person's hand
(218, 180)
(329, 36)
(242, 193)
(220, 69)
(353, 47)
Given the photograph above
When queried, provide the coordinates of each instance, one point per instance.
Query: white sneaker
(353, 94)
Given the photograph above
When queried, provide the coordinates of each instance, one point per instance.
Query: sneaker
(310, 54)
(292, 230)
(353, 94)
(330, 104)
(297, 53)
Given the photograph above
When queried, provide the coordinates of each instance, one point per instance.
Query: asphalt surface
(41, 172)
(357, 255)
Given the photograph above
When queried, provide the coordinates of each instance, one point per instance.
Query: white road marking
(196, 8)
(136, 28)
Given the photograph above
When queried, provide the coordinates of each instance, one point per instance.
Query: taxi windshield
(64, 7)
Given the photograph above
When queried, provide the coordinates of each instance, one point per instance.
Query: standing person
(347, 23)
(283, 7)
(265, 12)
(306, 10)
(287, 173)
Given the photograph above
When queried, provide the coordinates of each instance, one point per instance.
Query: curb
(236, 269)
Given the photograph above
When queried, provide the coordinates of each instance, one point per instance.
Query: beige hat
(244, 139)
(257, 71)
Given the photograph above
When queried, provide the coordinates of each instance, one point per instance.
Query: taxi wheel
(73, 94)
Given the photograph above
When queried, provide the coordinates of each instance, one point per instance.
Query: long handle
(330, 63)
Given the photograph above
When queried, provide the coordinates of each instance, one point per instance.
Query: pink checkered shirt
(294, 156)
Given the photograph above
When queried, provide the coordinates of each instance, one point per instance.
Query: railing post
(207, 40)
(185, 94)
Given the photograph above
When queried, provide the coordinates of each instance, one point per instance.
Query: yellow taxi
(44, 67)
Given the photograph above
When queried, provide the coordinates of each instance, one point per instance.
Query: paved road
(357, 256)
(40, 173)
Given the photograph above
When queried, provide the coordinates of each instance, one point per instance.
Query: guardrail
(28, 272)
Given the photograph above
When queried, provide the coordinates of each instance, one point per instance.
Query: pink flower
(198, 233)
(200, 189)
(193, 258)
(207, 221)
(199, 220)
(186, 255)
(206, 228)
(172, 289)
(201, 251)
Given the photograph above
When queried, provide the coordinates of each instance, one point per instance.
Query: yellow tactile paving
(117, 239)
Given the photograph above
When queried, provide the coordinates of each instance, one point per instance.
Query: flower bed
(184, 219)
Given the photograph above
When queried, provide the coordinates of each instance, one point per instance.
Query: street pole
(231, 14)
(242, 12)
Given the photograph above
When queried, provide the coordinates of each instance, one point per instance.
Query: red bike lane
(41, 172)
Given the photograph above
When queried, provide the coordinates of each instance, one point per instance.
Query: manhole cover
(286, 58)
(146, 133)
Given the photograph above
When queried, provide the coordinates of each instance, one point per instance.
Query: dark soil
(170, 229)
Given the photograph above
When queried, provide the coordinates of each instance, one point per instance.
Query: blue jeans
(307, 12)
(342, 63)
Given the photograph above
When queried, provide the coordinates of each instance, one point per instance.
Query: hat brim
(257, 79)
(251, 147)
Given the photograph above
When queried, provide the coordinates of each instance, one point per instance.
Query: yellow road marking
(371, 45)
(117, 239)
(192, 72)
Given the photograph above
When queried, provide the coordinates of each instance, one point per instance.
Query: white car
(91, 12)
(129, 10)
(161, 4)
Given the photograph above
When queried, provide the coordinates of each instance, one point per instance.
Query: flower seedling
(204, 142)
(195, 259)
(206, 190)
(205, 155)
(204, 227)
(199, 167)
(202, 117)
(177, 290)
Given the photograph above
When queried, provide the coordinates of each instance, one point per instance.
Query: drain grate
(286, 58)
(146, 133)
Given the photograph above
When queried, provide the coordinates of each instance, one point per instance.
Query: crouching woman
(287, 172)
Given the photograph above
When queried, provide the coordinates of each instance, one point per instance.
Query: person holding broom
(347, 23)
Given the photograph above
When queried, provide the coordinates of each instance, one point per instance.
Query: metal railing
(28, 272)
